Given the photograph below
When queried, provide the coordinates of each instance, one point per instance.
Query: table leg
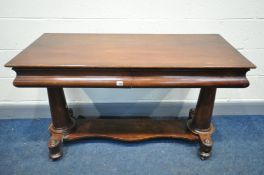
(200, 120)
(62, 122)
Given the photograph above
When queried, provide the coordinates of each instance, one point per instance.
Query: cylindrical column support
(201, 120)
(59, 111)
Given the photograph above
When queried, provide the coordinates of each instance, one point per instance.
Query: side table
(205, 61)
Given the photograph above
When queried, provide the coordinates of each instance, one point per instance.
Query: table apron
(126, 79)
(131, 81)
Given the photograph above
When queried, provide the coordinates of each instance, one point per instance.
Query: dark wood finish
(91, 60)
(55, 144)
(62, 121)
(131, 129)
(204, 61)
(204, 135)
(59, 111)
(200, 120)
(132, 78)
(189, 51)
(206, 144)
(204, 109)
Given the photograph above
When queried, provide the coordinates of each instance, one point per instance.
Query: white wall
(241, 22)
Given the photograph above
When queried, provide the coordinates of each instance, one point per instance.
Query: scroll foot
(55, 146)
(206, 144)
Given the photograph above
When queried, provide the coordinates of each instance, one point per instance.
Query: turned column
(61, 119)
(62, 122)
(200, 120)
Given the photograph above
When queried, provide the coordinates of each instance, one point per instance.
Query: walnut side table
(205, 61)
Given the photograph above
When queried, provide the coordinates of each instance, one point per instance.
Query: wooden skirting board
(153, 109)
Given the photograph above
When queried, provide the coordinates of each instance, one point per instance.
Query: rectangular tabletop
(130, 51)
(130, 60)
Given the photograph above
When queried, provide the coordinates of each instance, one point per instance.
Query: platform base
(131, 129)
(128, 130)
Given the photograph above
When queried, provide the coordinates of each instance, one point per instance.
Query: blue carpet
(238, 149)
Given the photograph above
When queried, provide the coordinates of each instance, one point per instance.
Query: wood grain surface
(131, 129)
(186, 51)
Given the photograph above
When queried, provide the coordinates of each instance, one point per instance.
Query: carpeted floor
(238, 149)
